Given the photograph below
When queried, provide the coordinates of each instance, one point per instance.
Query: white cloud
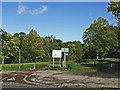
(22, 9)
(40, 10)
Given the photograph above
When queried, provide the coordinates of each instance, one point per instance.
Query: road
(54, 79)
(17, 85)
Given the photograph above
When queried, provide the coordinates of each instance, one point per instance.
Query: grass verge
(77, 68)
(24, 66)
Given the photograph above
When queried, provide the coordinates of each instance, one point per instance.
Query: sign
(56, 53)
(65, 49)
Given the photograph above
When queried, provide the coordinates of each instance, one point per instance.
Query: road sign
(65, 49)
(56, 54)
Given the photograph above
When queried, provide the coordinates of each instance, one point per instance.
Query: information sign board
(56, 54)
(65, 49)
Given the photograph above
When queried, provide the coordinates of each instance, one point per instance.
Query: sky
(65, 20)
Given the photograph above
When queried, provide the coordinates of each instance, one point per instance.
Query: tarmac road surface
(54, 79)
(17, 85)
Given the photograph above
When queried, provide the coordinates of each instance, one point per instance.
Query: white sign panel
(65, 49)
(56, 53)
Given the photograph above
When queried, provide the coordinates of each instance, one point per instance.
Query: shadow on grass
(105, 68)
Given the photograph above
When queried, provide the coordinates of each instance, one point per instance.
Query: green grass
(112, 59)
(91, 61)
(24, 66)
(81, 69)
(77, 68)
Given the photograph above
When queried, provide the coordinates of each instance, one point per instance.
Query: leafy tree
(100, 37)
(33, 46)
(20, 37)
(79, 50)
(9, 44)
(50, 44)
(75, 50)
(89, 52)
(72, 51)
(114, 7)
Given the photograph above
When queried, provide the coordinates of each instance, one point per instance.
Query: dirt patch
(15, 76)
(19, 78)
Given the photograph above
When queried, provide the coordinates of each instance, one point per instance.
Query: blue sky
(67, 21)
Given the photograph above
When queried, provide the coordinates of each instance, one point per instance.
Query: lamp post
(20, 36)
(19, 57)
(20, 46)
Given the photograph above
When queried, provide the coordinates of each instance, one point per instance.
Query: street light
(19, 57)
(20, 46)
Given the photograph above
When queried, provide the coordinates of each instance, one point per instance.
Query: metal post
(53, 62)
(19, 57)
(60, 62)
(64, 59)
(34, 65)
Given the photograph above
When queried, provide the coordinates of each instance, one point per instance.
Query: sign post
(65, 51)
(34, 65)
(60, 62)
(56, 54)
(53, 62)
(64, 60)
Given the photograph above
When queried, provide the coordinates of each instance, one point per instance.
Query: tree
(20, 36)
(9, 44)
(75, 50)
(100, 37)
(33, 47)
(114, 7)
(50, 44)
(79, 50)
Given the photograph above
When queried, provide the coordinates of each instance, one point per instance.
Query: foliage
(9, 44)
(76, 50)
(114, 7)
(33, 45)
(50, 44)
(101, 37)
(35, 48)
